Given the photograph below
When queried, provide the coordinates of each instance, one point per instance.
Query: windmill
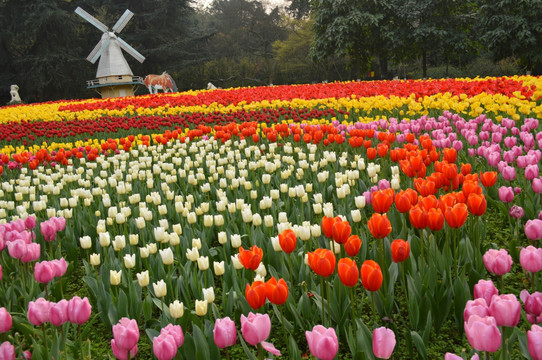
(114, 77)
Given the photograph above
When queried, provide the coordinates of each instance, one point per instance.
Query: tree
(345, 28)
(299, 9)
(513, 29)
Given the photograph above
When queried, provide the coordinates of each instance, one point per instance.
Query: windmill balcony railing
(115, 80)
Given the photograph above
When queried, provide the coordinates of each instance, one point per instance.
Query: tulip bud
(201, 307)
(86, 242)
(115, 277)
(104, 239)
(176, 309)
(167, 256)
(203, 263)
(134, 239)
(143, 278)
(129, 261)
(160, 289)
(235, 240)
(119, 243)
(95, 259)
(236, 263)
(222, 237)
(192, 254)
(209, 294)
(219, 268)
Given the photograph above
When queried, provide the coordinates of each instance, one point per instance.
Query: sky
(206, 3)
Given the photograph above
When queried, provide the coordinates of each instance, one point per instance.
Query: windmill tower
(114, 77)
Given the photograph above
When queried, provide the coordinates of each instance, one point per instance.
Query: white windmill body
(114, 78)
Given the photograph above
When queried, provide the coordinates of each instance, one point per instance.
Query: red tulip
(400, 250)
(382, 200)
(255, 294)
(456, 215)
(251, 258)
(371, 275)
(322, 262)
(379, 226)
(340, 231)
(352, 245)
(287, 241)
(348, 272)
(276, 292)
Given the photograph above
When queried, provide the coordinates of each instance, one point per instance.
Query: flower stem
(322, 298)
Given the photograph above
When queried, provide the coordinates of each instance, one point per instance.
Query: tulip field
(351, 220)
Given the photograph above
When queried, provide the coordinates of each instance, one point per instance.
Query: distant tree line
(43, 44)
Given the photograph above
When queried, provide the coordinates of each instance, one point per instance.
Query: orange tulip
(477, 204)
(255, 294)
(379, 226)
(402, 202)
(371, 153)
(341, 231)
(352, 245)
(428, 202)
(470, 187)
(382, 150)
(488, 178)
(371, 275)
(435, 219)
(456, 215)
(425, 187)
(322, 262)
(466, 169)
(276, 292)
(382, 200)
(418, 217)
(449, 200)
(400, 250)
(327, 226)
(450, 155)
(348, 272)
(251, 258)
(287, 241)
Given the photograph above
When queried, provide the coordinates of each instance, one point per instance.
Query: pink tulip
(255, 329)
(475, 307)
(18, 225)
(30, 222)
(483, 333)
(485, 289)
(537, 185)
(533, 229)
(531, 172)
(79, 311)
(323, 343)
(7, 351)
(60, 266)
(44, 272)
(450, 356)
(533, 305)
(48, 230)
(509, 173)
(530, 259)
(33, 253)
(516, 212)
(17, 249)
(225, 333)
(176, 331)
(27, 355)
(38, 311)
(59, 223)
(164, 347)
(506, 194)
(506, 309)
(534, 342)
(497, 262)
(122, 354)
(5, 320)
(58, 313)
(126, 334)
(383, 342)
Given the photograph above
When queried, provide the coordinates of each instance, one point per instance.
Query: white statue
(15, 98)
(210, 86)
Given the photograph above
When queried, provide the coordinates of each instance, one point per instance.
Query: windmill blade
(121, 23)
(130, 50)
(91, 19)
(95, 50)
(99, 52)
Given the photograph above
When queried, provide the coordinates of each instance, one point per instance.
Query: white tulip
(119, 243)
(219, 268)
(176, 309)
(86, 242)
(235, 240)
(203, 263)
(143, 278)
(167, 256)
(192, 254)
(95, 259)
(129, 261)
(209, 294)
(115, 277)
(222, 237)
(201, 307)
(236, 263)
(160, 289)
(104, 239)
